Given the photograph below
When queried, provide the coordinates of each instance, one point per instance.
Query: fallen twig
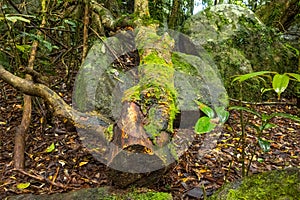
(264, 103)
(42, 179)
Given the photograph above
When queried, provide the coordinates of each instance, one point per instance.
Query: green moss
(155, 93)
(145, 196)
(108, 133)
(154, 58)
(183, 66)
(273, 185)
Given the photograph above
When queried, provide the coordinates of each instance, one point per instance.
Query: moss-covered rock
(272, 185)
(103, 193)
(100, 84)
(240, 43)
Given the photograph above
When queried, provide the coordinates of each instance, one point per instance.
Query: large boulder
(239, 43)
(101, 82)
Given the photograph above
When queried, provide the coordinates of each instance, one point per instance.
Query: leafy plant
(279, 82)
(259, 129)
(207, 123)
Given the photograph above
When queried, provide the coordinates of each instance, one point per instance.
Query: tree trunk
(19, 148)
(149, 108)
(174, 14)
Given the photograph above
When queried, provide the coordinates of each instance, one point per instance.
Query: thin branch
(263, 103)
(60, 107)
(85, 30)
(42, 179)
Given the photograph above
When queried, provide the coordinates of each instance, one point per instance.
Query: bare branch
(61, 108)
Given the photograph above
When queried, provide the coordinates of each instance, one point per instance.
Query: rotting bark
(141, 8)
(149, 108)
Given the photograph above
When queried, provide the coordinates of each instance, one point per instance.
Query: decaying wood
(146, 122)
(141, 8)
(19, 147)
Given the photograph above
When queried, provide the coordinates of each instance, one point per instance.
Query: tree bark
(174, 14)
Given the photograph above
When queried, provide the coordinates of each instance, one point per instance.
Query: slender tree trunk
(85, 30)
(19, 148)
(191, 6)
(174, 14)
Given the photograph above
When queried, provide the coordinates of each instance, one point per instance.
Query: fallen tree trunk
(141, 140)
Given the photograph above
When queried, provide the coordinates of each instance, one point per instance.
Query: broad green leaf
(70, 22)
(244, 77)
(286, 115)
(204, 125)
(296, 76)
(206, 109)
(50, 148)
(268, 126)
(222, 114)
(244, 109)
(22, 186)
(264, 145)
(280, 83)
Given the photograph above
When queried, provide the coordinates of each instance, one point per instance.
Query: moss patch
(155, 92)
(273, 185)
(103, 193)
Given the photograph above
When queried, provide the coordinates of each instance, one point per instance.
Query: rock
(240, 43)
(292, 37)
(150, 92)
(277, 184)
(219, 23)
(93, 194)
(196, 192)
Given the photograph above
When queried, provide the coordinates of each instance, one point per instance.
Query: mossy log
(145, 126)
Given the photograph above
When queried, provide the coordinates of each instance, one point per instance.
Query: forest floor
(69, 166)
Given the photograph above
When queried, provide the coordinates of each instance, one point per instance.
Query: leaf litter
(56, 161)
